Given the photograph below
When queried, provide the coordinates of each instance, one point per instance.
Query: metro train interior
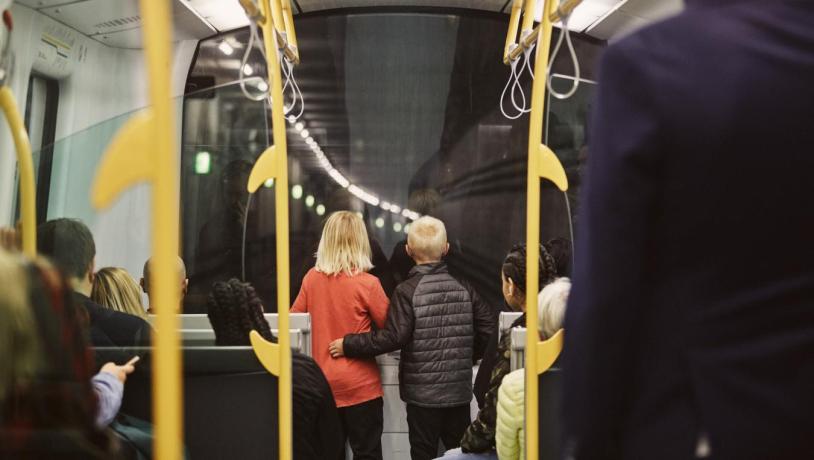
(392, 110)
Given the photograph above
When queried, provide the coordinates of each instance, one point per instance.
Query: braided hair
(514, 267)
(234, 309)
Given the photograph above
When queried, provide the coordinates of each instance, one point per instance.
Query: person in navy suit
(690, 328)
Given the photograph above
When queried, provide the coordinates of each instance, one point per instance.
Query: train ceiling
(117, 23)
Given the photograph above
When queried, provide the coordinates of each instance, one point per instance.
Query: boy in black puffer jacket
(441, 326)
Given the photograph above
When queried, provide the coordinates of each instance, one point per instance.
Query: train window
(566, 132)
(42, 101)
(409, 120)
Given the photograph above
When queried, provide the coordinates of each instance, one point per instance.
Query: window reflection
(410, 117)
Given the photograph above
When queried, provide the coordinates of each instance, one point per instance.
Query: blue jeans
(456, 454)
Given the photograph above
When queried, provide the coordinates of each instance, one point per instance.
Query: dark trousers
(429, 425)
(363, 425)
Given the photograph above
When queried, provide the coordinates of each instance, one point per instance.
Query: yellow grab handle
(126, 161)
(267, 353)
(28, 190)
(542, 164)
(143, 151)
(265, 168)
(549, 167)
(273, 163)
(548, 351)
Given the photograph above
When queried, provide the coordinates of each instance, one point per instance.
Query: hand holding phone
(121, 372)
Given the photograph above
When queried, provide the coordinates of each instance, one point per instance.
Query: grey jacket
(441, 326)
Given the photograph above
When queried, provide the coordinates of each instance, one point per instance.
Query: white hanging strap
(253, 36)
(291, 82)
(565, 34)
(509, 82)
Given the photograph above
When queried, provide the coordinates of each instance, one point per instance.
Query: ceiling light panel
(222, 14)
(586, 14)
(316, 5)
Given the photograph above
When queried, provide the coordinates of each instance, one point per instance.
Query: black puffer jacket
(442, 327)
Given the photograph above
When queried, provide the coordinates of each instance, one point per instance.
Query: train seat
(197, 331)
(549, 401)
(230, 400)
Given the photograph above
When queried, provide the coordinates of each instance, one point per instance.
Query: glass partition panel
(405, 107)
(566, 133)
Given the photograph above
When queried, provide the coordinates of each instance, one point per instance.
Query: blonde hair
(19, 343)
(551, 303)
(344, 247)
(115, 289)
(427, 239)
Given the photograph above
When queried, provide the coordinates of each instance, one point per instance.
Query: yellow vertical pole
(514, 22)
(273, 14)
(528, 15)
(167, 370)
(28, 209)
(288, 17)
(144, 151)
(533, 224)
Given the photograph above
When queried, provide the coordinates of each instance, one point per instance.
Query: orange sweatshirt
(339, 305)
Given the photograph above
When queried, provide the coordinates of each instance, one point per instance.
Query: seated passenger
(343, 298)
(509, 435)
(560, 251)
(114, 288)
(145, 284)
(68, 243)
(46, 391)
(480, 436)
(441, 326)
(234, 311)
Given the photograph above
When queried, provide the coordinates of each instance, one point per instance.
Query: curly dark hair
(234, 309)
(562, 252)
(514, 267)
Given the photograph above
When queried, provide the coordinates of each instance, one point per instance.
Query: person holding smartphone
(109, 387)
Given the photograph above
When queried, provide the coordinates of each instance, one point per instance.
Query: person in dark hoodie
(441, 326)
(234, 309)
(69, 244)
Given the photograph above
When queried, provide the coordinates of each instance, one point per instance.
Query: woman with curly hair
(234, 309)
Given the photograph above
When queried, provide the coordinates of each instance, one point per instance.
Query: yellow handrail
(542, 163)
(28, 192)
(286, 36)
(512, 53)
(273, 163)
(143, 151)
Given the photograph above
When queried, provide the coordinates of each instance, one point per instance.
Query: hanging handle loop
(565, 34)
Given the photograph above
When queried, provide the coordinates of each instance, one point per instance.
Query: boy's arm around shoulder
(397, 331)
(485, 321)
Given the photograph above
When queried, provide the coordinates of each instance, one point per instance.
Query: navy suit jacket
(692, 311)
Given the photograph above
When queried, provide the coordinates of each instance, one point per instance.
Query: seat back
(196, 330)
(518, 348)
(505, 321)
(230, 400)
(549, 403)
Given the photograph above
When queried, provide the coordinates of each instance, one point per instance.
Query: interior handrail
(542, 163)
(273, 164)
(143, 151)
(28, 190)
(283, 30)
(513, 48)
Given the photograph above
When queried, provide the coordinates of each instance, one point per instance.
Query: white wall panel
(106, 86)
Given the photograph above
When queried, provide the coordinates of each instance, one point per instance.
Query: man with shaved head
(182, 276)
